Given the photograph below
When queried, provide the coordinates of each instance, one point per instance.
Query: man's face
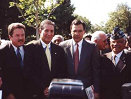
(18, 37)
(77, 32)
(117, 45)
(57, 40)
(47, 33)
(102, 42)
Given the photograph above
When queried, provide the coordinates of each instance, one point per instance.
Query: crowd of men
(27, 70)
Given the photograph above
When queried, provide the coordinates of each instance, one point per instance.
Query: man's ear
(39, 31)
(9, 37)
(95, 41)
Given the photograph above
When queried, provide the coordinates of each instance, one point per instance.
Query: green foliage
(121, 17)
(63, 16)
(33, 11)
(97, 27)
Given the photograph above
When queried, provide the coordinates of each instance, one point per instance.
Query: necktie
(19, 57)
(76, 58)
(114, 59)
(48, 55)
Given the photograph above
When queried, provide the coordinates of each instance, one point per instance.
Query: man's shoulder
(66, 43)
(5, 46)
(107, 55)
(89, 43)
(56, 47)
(33, 42)
(127, 53)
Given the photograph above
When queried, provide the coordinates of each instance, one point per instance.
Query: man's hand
(46, 92)
(96, 95)
(10, 96)
(0, 81)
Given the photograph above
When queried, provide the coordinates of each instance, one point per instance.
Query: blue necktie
(19, 56)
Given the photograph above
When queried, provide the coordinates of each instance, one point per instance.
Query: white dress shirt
(21, 51)
(44, 45)
(117, 56)
(79, 46)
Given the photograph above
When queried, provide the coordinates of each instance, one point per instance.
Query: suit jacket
(111, 78)
(13, 75)
(88, 68)
(41, 76)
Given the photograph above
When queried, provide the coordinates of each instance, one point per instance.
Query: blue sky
(97, 10)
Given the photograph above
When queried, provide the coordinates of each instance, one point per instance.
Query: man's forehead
(80, 26)
(121, 39)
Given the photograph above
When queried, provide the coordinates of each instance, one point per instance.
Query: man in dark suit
(116, 67)
(82, 57)
(12, 56)
(48, 60)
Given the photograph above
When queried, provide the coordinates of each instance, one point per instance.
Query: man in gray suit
(82, 57)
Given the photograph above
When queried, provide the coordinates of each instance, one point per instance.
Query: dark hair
(46, 22)
(14, 26)
(78, 22)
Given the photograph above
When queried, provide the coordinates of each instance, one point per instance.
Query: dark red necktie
(76, 58)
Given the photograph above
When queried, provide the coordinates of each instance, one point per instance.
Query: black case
(66, 89)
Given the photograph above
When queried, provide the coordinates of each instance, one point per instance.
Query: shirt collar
(15, 48)
(44, 44)
(118, 55)
(79, 43)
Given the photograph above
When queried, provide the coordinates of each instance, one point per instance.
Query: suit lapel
(83, 56)
(109, 56)
(69, 51)
(121, 64)
(13, 56)
(42, 55)
(53, 56)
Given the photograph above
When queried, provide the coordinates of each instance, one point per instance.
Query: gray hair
(96, 35)
(57, 36)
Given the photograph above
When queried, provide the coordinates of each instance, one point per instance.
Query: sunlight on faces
(47, 33)
(117, 45)
(18, 37)
(77, 32)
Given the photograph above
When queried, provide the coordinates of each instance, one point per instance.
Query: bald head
(99, 37)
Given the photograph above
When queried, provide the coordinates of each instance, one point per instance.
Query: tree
(121, 17)
(87, 22)
(34, 11)
(97, 27)
(63, 16)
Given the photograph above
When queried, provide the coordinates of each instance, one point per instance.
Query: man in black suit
(116, 67)
(12, 56)
(82, 57)
(48, 60)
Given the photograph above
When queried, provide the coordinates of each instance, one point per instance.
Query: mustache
(20, 40)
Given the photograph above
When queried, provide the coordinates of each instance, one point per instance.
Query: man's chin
(21, 44)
